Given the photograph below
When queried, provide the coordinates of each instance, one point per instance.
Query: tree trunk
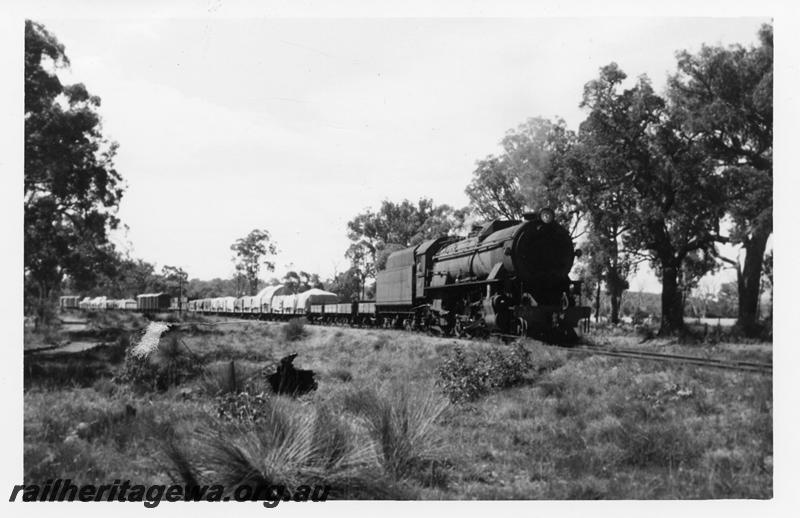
(671, 302)
(597, 303)
(616, 298)
(41, 310)
(615, 308)
(615, 286)
(749, 283)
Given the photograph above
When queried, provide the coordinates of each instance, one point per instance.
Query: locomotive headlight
(546, 215)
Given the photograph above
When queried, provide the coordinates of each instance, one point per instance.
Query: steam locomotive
(511, 277)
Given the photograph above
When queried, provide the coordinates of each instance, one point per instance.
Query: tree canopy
(724, 98)
(675, 196)
(528, 175)
(251, 253)
(394, 226)
(72, 189)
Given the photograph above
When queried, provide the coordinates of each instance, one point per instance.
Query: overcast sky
(295, 126)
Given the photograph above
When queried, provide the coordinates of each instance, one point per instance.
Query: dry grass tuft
(402, 424)
(291, 446)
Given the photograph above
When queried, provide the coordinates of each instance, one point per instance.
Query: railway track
(732, 365)
(635, 354)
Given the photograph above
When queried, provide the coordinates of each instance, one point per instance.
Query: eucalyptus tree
(72, 188)
(252, 252)
(724, 95)
(674, 194)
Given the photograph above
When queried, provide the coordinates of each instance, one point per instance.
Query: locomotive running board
(447, 287)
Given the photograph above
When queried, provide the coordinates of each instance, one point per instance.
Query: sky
(297, 125)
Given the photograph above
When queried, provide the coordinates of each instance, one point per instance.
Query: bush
(466, 377)
(225, 377)
(462, 378)
(294, 329)
(292, 445)
(168, 365)
(507, 367)
(242, 407)
(401, 422)
(342, 375)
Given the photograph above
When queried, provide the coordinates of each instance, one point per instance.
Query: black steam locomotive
(511, 277)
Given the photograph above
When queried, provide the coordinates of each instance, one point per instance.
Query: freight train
(509, 277)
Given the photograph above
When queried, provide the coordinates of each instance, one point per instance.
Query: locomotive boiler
(511, 277)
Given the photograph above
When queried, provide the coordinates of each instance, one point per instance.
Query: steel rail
(735, 365)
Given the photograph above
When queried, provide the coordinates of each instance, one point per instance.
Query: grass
(570, 427)
(294, 330)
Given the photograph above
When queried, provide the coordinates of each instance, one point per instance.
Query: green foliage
(637, 142)
(544, 164)
(401, 422)
(169, 365)
(130, 277)
(298, 282)
(72, 189)
(200, 289)
(242, 406)
(468, 376)
(395, 226)
(347, 284)
(495, 190)
(528, 175)
(250, 253)
(72, 372)
(291, 446)
(461, 378)
(724, 98)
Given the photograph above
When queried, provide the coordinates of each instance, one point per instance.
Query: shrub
(507, 367)
(242, 406)
(466, 377)
(231, 377)
(401, 422)
(343, 375)
(169, 364)
(291, 446)
(294, 329)
(461, 378)
(68, 370)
